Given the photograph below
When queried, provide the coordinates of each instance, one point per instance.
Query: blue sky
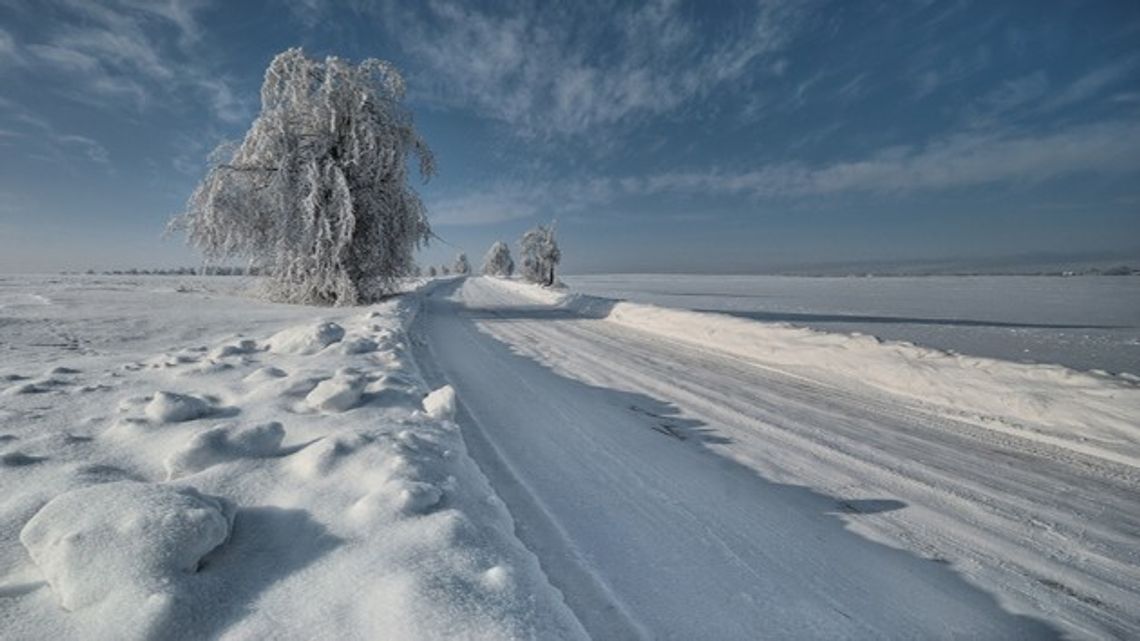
(663, 136)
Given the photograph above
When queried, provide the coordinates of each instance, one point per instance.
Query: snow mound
(124, 540)
(337, 394)
(224, 443)
(440, 404)
(305, 339)
(168, 407)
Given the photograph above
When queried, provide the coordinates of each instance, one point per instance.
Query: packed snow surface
(686, 475)
(1082, 322)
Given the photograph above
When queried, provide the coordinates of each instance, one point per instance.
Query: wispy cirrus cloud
(48, 142)
(1096, 81)
(957, 161)
(537, 68)
(121, 51)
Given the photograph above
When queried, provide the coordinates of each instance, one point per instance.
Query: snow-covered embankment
(300, 485)
(1088, 412)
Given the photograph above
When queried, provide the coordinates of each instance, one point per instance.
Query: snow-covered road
(675, 492)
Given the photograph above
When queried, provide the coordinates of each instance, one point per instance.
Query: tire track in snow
(1025, 518)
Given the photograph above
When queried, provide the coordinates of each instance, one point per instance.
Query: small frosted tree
(540, 254)
(445, 270)
(498, 261)
(431, 271)
(317, 195)
(462, 267)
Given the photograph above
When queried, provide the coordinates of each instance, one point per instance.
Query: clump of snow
(496, 578)
(242, 347)
(305, 339)
(337, 394)
(440, 404)
(225, 443)
(358, 345)
(169, 407)
(123, 540)
(263, 374)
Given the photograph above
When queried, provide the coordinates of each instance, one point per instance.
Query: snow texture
(305, 340)
(440, 403)
(169, 407)
(128, 542)
(679, 482)
(1086, 411)
(317, 500)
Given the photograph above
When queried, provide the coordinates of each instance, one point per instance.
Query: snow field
(1089, 412)
(296, 485)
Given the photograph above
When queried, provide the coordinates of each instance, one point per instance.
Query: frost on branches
(461, 265)
(318, 193)
(540, 254)
(498, 261)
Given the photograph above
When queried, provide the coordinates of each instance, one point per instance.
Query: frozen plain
(609, 470)
(1085, 322)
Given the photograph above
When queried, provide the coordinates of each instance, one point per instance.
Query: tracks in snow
(719, 535)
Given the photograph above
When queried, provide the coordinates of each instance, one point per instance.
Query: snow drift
(1089, 412)
(297, 480)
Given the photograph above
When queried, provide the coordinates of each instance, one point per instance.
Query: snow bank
(335, 501)
(1089, 412)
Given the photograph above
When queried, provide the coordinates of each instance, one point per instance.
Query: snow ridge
(1093, 413)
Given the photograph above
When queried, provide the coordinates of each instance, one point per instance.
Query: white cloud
(956, 161)
(52, 145)
(512, 200)
(8, 50)
(1011, 95)
(94, 151)
(483, 208)
(544, 73)
(1095, 82)
(108, 53)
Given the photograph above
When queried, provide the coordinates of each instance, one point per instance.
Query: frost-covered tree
(498, 261)
(540, 254)
(445, 270)
(431, 271)
(317, 195)
(462, 267)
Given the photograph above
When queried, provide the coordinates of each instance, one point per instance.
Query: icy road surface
(675, 492)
